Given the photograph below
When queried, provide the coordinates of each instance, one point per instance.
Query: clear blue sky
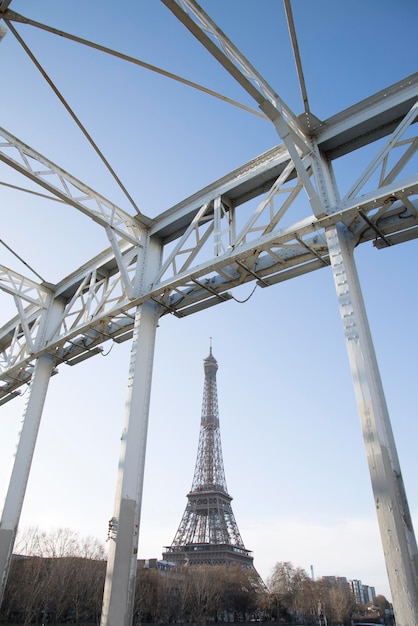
(293, 451)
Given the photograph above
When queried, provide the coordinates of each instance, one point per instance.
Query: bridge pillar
(119, 591)
(23, 459)
(24, 454)
(396, 529)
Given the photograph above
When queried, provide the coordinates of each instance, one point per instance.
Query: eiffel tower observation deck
(208, 532)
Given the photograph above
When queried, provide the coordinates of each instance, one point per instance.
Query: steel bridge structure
(193, 256)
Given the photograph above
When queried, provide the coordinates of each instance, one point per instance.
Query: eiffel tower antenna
(208, 532)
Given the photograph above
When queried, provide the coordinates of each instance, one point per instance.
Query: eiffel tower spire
(208, 532)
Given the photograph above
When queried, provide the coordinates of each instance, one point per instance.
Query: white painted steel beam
(395, 523)
(63, 185)
(367, 120)
(25, 449)
(119, 592)
(4, 5)
(98, 307)
(288, 126)
(23, 288)
(22, 464)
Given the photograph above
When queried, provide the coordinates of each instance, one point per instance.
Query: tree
(201, 590)
(150, 596)
(292, 589)
(25, 591)
(335, 599)
(53, 579)
(382, 603)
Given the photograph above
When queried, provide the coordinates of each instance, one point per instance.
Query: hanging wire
(108, 352)
(247, 298)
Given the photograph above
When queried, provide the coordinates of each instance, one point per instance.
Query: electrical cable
(109, 351)
(246, 299)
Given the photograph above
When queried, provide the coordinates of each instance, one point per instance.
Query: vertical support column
(396, 529)
(26, 446)
(119, 592)
(22, 464)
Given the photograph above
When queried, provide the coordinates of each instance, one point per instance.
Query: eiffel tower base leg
(119, 591)
(396, 530)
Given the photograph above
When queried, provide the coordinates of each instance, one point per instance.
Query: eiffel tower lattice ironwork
(208, 532)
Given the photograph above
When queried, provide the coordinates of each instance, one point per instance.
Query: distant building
(335, 580)
(362, 593)
(155, 564)
(358, 591)
(369, 593)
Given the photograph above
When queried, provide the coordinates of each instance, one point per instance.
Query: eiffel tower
(208, 532)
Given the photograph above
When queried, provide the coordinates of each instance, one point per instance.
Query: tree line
(58, 578)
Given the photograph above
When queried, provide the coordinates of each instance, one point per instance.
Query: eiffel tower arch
(208, 532)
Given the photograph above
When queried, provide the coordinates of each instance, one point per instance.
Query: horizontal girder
(243, 227)
(355, 127)
(368, 120)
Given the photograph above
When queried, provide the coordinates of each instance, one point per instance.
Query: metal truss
(254, 224)
(289, 127)
(276, 217)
